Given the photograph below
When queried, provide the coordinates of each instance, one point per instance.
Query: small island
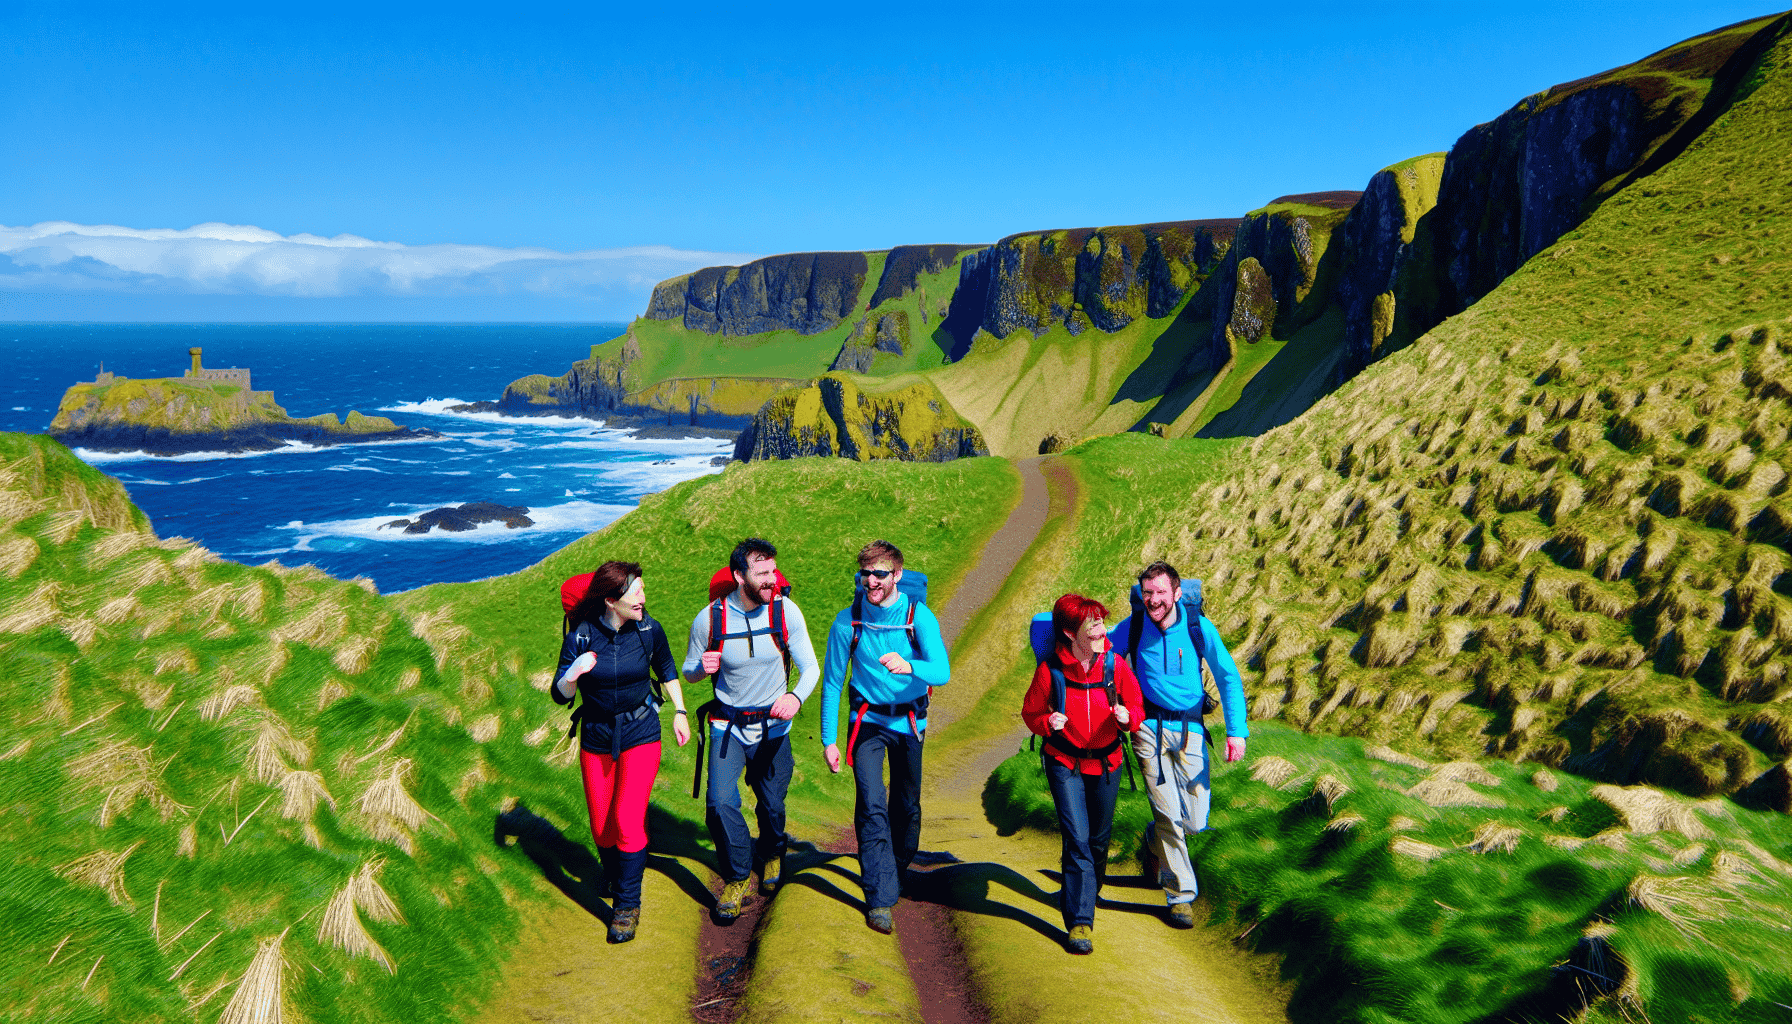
(204, 410)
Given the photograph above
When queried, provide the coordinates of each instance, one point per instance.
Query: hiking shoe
(879, 919)
(1081, 940)
(771, 875)
(1182, 915)
(623, 923)
(733, 895)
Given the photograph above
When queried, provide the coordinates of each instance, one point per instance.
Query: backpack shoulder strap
(1134, 630)
(1058, 685)
(914, 640)
(718, 623)
(781, 633)
(1107, 679)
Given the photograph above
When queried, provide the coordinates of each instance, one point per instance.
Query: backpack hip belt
(584, 713)
(859, 706)
(730, 715)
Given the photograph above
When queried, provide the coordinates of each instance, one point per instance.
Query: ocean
(326, 506)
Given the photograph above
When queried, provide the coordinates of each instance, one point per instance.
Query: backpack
(1190, 606)
(1040, 634)
(914, 584)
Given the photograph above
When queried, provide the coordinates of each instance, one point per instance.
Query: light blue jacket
(884, 632)
(1169, 667)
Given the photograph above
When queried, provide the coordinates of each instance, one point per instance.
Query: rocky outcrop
(905, 264)
(598, 388)
(172, 416)
(459, 519)
(832, 417)
(806, 292)
(877, 332)
(1085, 277)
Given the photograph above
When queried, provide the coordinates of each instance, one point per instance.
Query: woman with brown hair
(611, 652)
(1081, 698)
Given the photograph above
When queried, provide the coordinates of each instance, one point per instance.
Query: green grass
(117, 649)
(1374, 933)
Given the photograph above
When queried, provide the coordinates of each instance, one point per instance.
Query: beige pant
(1180, 798)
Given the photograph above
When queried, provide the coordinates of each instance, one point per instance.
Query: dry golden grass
(176, 659)
(1732, 871)
(1448, 793)
(1543, 779)
(271, 742)
(250, 601)
(116, 544)
(484, 729)
(1392, 756)
(472, 779)
(117, 610)
(354, 654)
(1465, 771)
(150, 571)
(1344, 822)
(1689, 855)
(228, 699)
(542, 680)
(1273, 771)
(62, 527)
(19, 749)
(1406, 846)
(341, 925)
(16, 506)
(16, 555)
(188, 843)
(1644, 810)
(535, 736)
(34, 612)
(331, 692)
(103, 869)
(80, 630)
(1682, 901)
(260, 996)
(1327, 791)
(300, 793)
(1494, 836)
(409, 678)
(127, 774)
(320, 627)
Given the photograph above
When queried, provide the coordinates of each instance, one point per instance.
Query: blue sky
(551, 166)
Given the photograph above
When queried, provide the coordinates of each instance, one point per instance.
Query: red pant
(616, 793)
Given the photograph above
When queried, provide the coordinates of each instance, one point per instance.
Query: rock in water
(465, 517)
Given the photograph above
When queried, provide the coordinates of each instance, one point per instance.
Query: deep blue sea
(324, 505)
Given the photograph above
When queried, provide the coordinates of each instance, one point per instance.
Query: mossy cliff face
(806, 292)
(600, 388)
(905, 264)
(166, 416)
(1081, 277)
(833, 417)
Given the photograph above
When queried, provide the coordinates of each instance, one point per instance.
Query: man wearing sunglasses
(891, 646)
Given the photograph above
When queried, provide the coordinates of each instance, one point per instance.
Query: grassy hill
(236, 789)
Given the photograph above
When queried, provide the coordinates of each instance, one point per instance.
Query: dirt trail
(979, 935)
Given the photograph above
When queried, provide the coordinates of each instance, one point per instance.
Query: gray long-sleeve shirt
(752, 672)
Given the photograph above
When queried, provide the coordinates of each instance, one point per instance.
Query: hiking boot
(771, 875)
(733, 895)
(879, 919)
(623, 923)
(1081, 940)
(1182, 915)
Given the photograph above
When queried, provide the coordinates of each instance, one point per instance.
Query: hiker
(1072, 703)
(761, 634)
(1167, 637)
(610, 648)
(890, 644)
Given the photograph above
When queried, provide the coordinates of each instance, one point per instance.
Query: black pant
(888, 823)
(767, 765)
(1085, 823)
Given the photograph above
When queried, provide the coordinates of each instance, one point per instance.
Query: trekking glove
(580, 665)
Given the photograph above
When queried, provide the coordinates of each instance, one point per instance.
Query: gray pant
(1180, 797)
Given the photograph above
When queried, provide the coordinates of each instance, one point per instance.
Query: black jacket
(619, 683)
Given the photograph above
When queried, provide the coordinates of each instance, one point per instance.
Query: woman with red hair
(1081, 698)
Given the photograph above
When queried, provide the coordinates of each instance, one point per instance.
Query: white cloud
(230, 259)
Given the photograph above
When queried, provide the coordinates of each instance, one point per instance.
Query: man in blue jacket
(1169, 747)
(895, 653)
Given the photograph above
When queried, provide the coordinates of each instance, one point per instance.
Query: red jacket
(1092, 723)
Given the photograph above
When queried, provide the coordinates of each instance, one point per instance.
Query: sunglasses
(877, 573)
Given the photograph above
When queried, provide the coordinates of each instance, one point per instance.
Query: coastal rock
(461, 518)
(174, 416)
(805, 292)
(833, 417)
